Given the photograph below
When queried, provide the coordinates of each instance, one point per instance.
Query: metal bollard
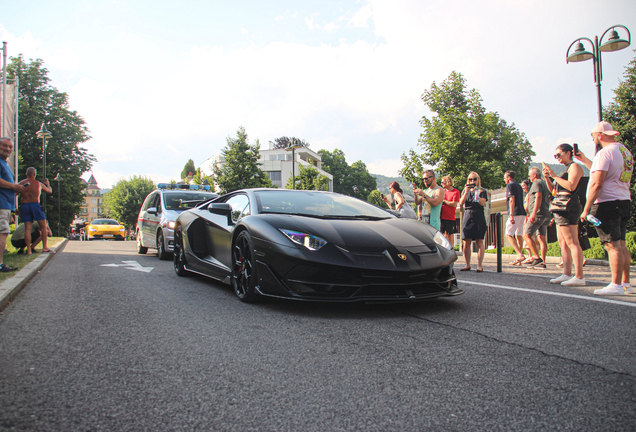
(499, 242)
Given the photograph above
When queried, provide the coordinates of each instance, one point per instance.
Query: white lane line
(596, 299)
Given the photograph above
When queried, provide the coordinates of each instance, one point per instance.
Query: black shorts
(614, 216)
(19, 244)
(571, 217)
(448, 226)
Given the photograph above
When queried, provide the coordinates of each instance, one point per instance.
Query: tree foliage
(375, 198)
(241, 167)
(464, 137)
(353, 180)
(309, 179)
(621, 114)
(201, 179)
(188, 169)
(40, 102)
(286, 142)
(125, 199)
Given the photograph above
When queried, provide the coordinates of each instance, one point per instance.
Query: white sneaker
(611, 290)
(560, 279)
(628, 289)
(574, 281)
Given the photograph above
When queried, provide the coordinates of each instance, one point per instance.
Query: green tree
(188, 169)
(353, 180)
(464, 137)
(40, 102)
(375, 198)
(240, 169)
(309, 179)
(125, 199)
(621, 113)
(201, 179)
(285, 142)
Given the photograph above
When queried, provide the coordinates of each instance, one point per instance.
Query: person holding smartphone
(433, 195)
(474, 226)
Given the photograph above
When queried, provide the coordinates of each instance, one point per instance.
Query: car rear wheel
(244, 274)
(178, 256)
(140, 249)
(161, 247)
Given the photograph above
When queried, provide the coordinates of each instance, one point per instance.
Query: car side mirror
(152, 210)
(223, 209)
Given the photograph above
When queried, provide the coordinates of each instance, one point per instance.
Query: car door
(219, 230)
(151, 220)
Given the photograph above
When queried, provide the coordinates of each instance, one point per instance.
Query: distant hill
(384, 182)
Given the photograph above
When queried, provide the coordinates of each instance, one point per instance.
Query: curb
(11, 287)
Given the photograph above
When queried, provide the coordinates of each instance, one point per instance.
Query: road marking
(596, 299)
(130, 265)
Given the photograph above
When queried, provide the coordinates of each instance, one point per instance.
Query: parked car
(311, 245)
(106, 229)
(159, 212)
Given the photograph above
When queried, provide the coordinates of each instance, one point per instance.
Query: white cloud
(244, 31)
(362, 16)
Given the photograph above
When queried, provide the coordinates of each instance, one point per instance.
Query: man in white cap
(609, 200)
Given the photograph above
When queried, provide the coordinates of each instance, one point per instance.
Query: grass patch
(12, 259)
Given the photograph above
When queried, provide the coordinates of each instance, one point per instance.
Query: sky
(160, 82)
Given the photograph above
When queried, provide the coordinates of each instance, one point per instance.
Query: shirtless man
(31, 210)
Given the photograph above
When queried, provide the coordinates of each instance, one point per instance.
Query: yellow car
(105, 229)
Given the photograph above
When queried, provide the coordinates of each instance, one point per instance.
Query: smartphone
(382, 195)
(471, 185)
(415, 186)
(26, 184)
(576, 148)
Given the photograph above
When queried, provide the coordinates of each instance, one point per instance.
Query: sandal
(465, 269)
(518, 261)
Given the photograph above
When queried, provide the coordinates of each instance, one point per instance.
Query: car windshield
(104, 222)
(318, 204)
(185, 200)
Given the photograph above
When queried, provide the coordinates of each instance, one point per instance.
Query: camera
(471, 185)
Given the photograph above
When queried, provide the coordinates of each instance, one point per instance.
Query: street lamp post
(614, 43)
(44, 134)
(293, 148)
(58, 178)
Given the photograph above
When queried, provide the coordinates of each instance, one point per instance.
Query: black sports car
(311, 245)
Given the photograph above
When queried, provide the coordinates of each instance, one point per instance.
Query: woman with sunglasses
(567, 222)
(474, 226)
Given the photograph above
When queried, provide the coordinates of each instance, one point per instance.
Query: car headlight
(92, 229)
(311, 242)
(122, 229)
(442, 241)
(172, 224)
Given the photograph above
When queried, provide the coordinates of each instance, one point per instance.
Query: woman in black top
(474, 226)
(567, 222)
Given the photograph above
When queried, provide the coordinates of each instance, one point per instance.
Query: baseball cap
(605, 128)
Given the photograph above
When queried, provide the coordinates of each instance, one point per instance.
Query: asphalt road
(88, 347)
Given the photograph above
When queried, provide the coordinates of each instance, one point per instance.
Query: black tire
(178, 256)
(161, 247)
(140, 249)
(244, 273)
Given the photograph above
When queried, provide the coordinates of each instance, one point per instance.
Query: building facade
(92, 206)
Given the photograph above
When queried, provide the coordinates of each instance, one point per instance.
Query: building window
(93, 209)
(93, 201)
(274, 175)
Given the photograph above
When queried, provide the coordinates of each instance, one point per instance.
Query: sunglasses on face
(558, 155)
(426, 178)
(472, 179)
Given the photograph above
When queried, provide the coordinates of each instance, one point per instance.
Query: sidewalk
(10, 288)
(595, 270)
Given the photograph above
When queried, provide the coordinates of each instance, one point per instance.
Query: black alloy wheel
(178, 256)
(244, 274)
(140, 249)
(161, 247)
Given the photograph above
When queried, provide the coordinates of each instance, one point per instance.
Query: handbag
(560, 203)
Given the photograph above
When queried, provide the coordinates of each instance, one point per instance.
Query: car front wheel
(178, 256)
(244, 274)
(161, 247)
(140, 248)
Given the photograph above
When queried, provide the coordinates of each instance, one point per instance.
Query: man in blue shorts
(31, 210)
